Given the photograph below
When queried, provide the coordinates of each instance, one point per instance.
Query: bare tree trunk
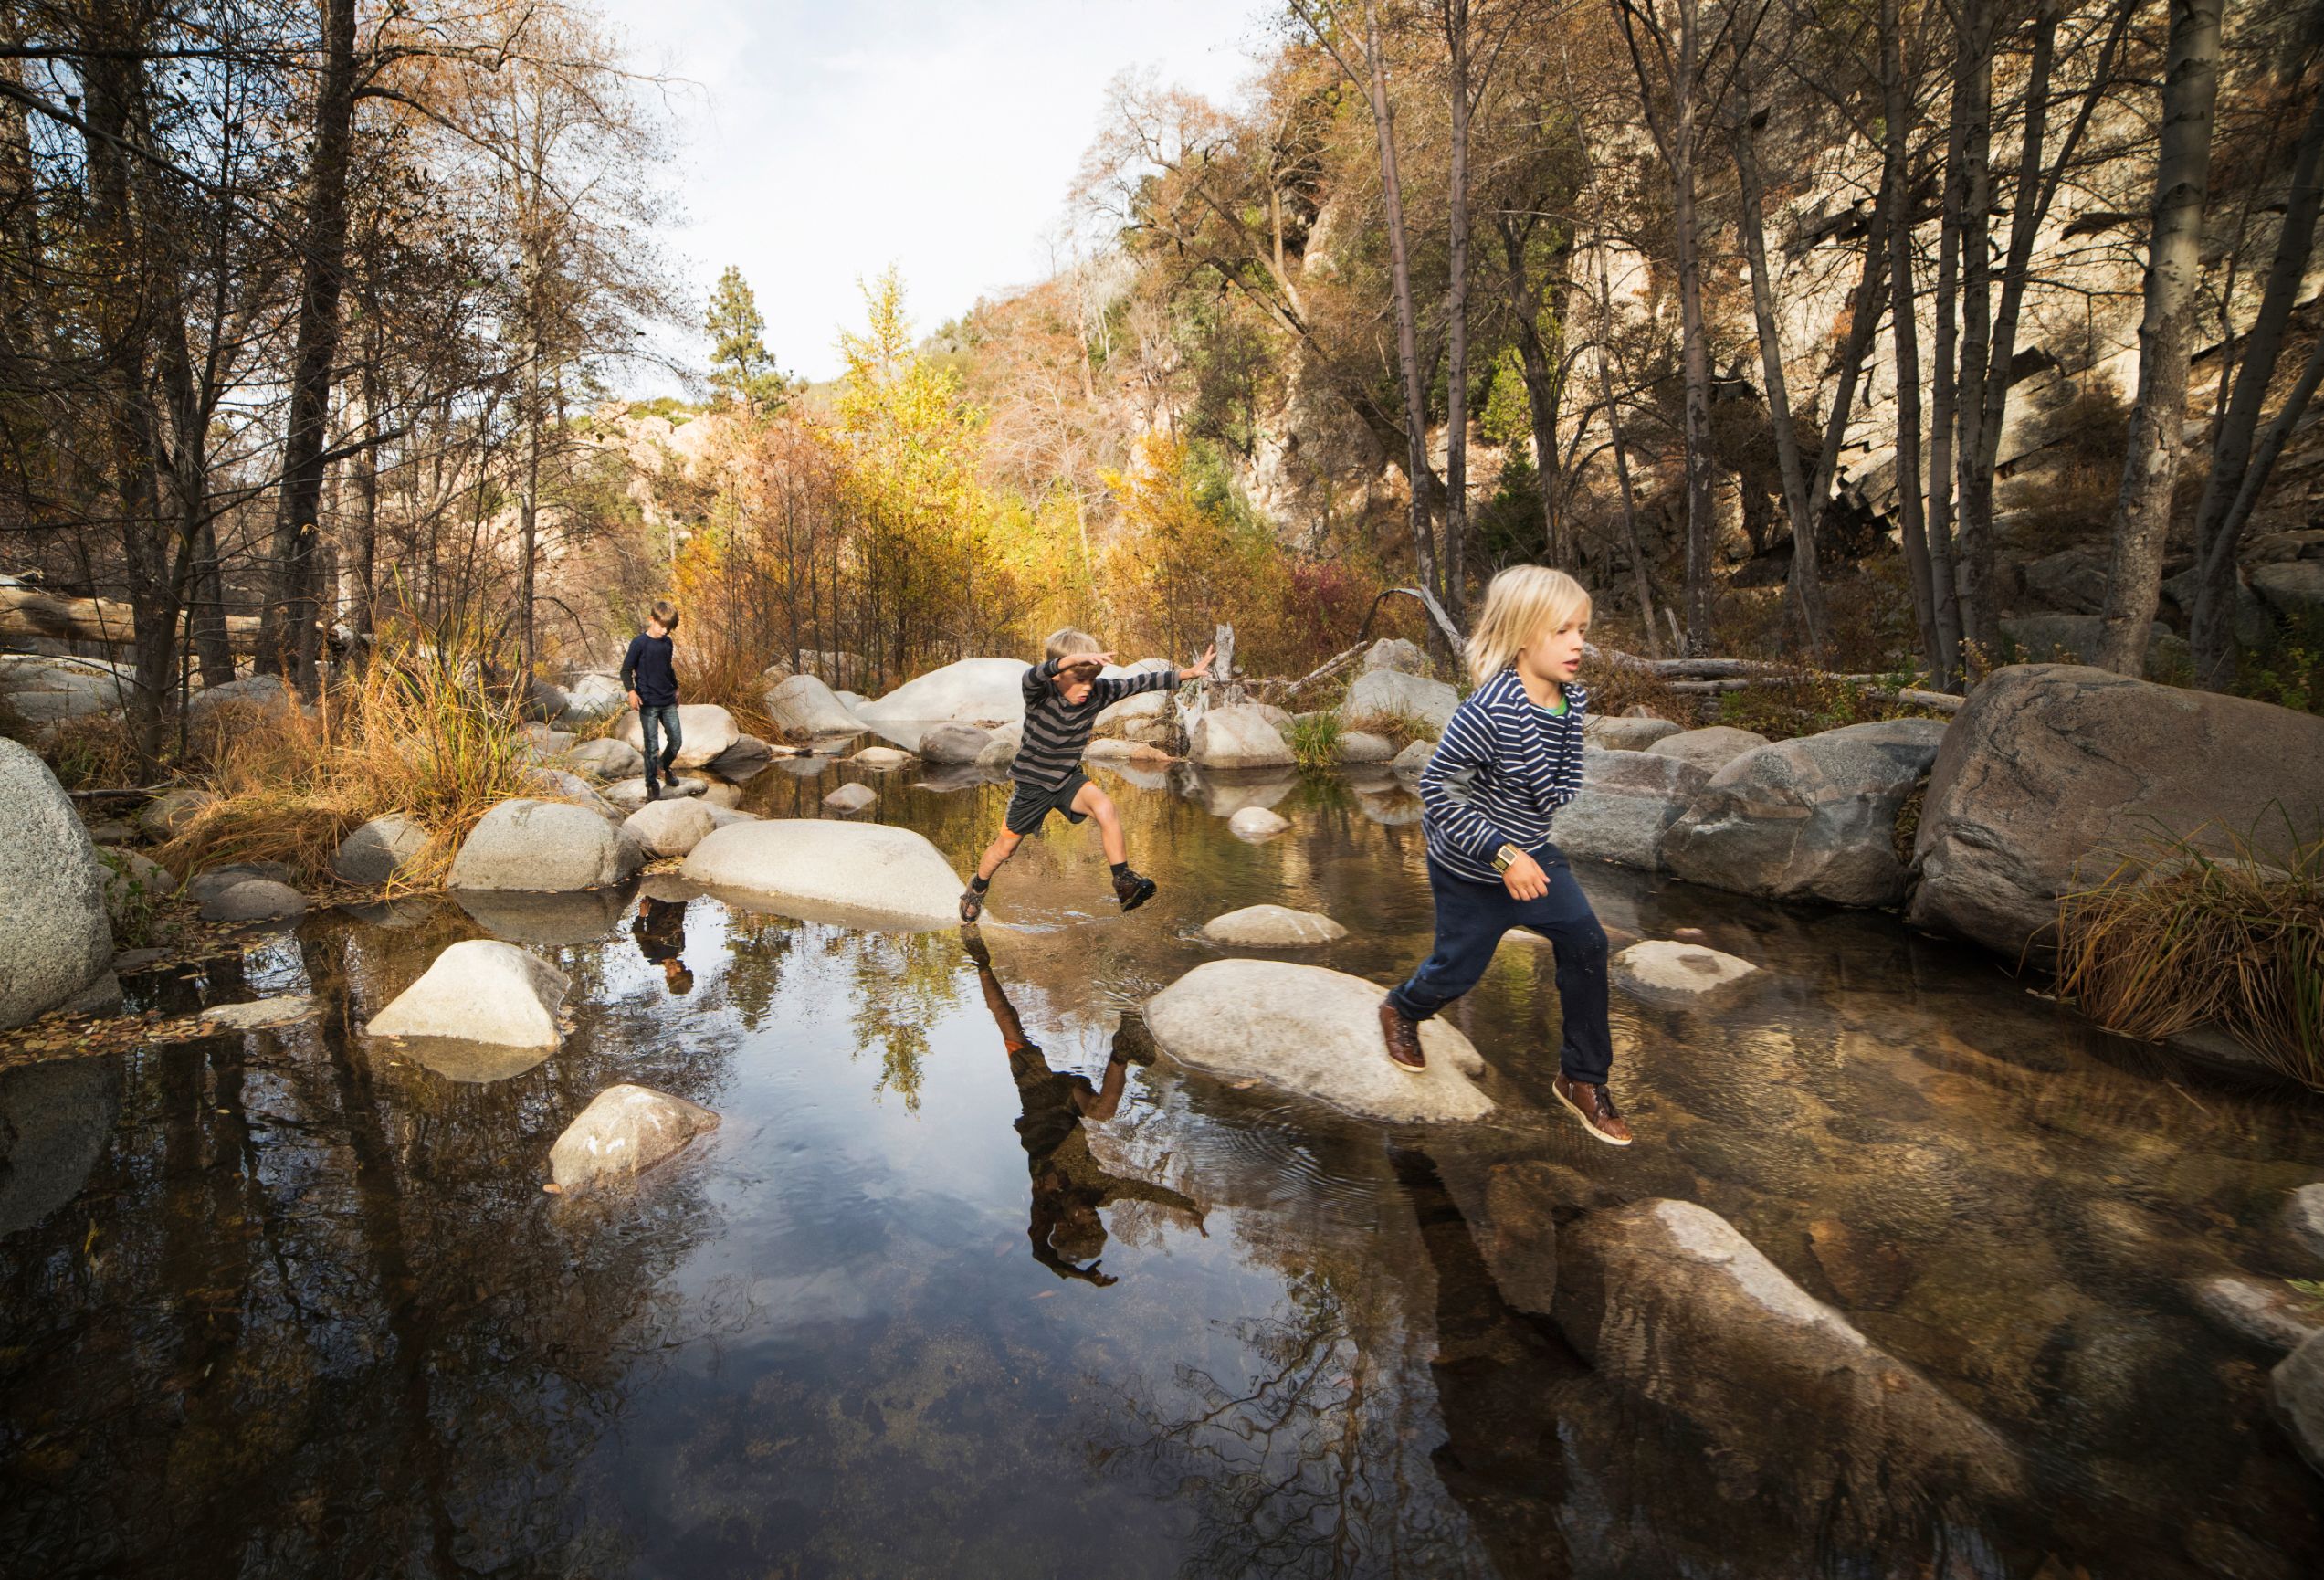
(1456, 321)
(289, 617)
(1945, 394)
(1904, 319)
(2175, 266)
(1407, 321)
(1621, 456)
(1974, 107)
(1806, 591)
(2219, 521)
(1694, 352)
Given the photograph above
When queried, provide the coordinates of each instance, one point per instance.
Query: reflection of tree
(902, 985)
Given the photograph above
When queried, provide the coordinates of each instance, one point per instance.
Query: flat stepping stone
(841, 871)
(285, 1009)
(255, 899)
(1273, 927)
(1256, 823)
(1665, 972)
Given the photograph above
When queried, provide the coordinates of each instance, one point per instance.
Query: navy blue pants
(661, 721)
(1471, 918)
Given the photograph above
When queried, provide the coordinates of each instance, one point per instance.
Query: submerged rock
(2296, 1397)
(1667, 1301)
(55, 940)
(260, 1013)
(1314, 1032)
(544, 848)
(625, 1129)
(480, 990)
(985, 691)
(208, 884)
(379, 852)
(865, 869)
(2267, 1311)
(851, 797)
(2048, 768)
(1679, 975)
(1237, 737)
(255, 899)
(1814, 819)
(1273, 927)
(881, 759)
(671, 828)
(1256, 823)
(706, 730)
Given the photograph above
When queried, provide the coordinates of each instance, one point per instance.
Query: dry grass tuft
(418, 734)
(1616, 688)
(2178, 936)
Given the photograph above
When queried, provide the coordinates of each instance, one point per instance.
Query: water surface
(968, 1283)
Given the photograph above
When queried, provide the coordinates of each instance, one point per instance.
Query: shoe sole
(1407, 1069)
(1134, 901)
(969, 914)
(1572, 1108)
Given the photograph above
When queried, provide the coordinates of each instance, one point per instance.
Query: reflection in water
(1069, 1186)
(293, 1303)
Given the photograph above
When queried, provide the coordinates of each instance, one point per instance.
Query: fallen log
(27, 613)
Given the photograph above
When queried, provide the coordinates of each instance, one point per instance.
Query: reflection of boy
(660, 932)
(1069, 1186)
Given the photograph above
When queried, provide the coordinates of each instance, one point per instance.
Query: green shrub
(1315, 740)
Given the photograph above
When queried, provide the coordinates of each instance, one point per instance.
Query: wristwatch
(1505, 857)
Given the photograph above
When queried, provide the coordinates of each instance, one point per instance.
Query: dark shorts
(1031, 806)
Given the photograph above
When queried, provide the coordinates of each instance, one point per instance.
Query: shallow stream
(285, 1302)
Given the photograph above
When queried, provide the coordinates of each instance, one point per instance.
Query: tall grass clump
(419, 733)
(1315, 740)
(2181, 935)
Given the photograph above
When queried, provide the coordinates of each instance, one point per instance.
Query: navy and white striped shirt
(1056, 733)
(1502, 770)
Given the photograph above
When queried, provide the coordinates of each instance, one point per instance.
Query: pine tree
(743, 370)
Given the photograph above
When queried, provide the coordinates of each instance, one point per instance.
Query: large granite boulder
(804, 705)
(56, 943)
(1238, 737)
(708, 730)
(2292, 588)
(2050, 769)
(864, 870)
(985, 691)
(1116, 717)
(544, 848)
(480, 990)
(1708, 748)
(1395, 653)
(625, 1129)
(671, 828)
(558, 785)
(1812, 818)
(1627, 803)
(1621, 734)
(608, 759)
(381, 851)
(1666, 1300)
(1361, 746)
(2295, 1395)
(42, 690)
(254, 694)
(593, 696)
(1316, 1032)
(1379, 696)
(953, 743)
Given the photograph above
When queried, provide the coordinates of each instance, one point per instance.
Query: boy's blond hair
(665, 613)
(1521, 603)
(1068, 640)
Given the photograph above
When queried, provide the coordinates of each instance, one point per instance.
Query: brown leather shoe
(1594, 1106)
(1403, 1039)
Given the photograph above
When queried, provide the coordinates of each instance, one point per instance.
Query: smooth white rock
(1273, 927)
(480, 990)
(867, 870)
(625, 1129)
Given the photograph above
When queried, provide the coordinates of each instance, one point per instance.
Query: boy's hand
(1525, 879)
(1201, 667)
(636, 704)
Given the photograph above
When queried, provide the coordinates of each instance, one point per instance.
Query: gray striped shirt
(1502, 770)
(1057, 731)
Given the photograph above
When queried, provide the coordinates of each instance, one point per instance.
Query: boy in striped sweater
(1511, 756)
(1063, 696)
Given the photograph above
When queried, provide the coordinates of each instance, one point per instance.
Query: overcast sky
(824, 141)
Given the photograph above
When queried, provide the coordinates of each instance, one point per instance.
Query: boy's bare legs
(1131, 888)
(1003, 845)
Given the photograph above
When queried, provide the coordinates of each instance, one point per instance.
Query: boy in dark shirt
(651, 681)
(1063, 696)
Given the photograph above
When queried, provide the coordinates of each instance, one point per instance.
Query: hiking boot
(972, 906)
(1132, 890)
(1402, 1036)
(1594, 1106)
(653, 791)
